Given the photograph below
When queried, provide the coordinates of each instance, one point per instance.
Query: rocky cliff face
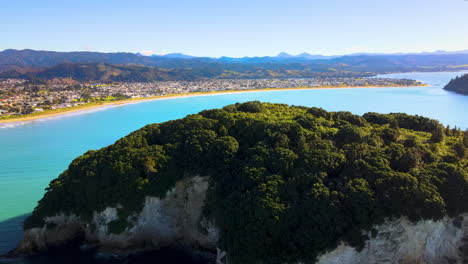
(175, 220)
(400, 241)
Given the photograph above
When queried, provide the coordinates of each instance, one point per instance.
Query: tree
(438, 134)
(349, 134)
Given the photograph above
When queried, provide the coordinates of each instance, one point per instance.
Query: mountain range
(308, 56)
(44, 64)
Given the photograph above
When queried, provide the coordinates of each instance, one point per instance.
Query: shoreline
(95, 106)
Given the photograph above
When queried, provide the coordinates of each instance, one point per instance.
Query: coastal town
(21, 97)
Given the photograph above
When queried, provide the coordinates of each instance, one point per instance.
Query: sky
(235, 28)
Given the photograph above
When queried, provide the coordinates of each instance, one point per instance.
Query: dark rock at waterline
(72, 254)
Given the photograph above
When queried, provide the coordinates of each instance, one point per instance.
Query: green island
(286, 182)
(458, 85)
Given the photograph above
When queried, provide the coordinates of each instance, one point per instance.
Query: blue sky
(235, 28)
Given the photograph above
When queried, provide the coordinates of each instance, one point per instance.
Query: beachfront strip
(20, 97)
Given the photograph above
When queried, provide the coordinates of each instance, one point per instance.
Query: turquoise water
(34, 153)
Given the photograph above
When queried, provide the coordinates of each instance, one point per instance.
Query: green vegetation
(110, 72)
(285, 182)
(458, 85)
(139, 73)
(15, 63)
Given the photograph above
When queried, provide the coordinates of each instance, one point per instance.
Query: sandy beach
(96, 106)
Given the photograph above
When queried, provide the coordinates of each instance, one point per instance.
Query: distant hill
(284, 64)
(282, 57)
(458, 85)
(305, 56)
(104, 72)
(50, 58)
(176, 55)
(286, 57)
(41, 59)
(107, 72)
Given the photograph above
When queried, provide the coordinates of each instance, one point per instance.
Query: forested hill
(108, 73)
(285, 182)
(458, 85)
(41, 58)
(139, 73)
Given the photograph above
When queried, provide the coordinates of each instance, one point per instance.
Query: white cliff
(400, 241)
(175, 220)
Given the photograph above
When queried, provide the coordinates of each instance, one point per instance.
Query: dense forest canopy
(286, 182)
(458, 85)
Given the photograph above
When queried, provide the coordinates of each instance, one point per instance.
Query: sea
(33, 153)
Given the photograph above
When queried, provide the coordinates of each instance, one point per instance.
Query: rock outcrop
(175, 220)
(400, 241)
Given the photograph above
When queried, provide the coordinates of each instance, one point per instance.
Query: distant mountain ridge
(103, 72)
(308, 56)
(41, 58)
(177, 55)
(22, 62)
(108, 72)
